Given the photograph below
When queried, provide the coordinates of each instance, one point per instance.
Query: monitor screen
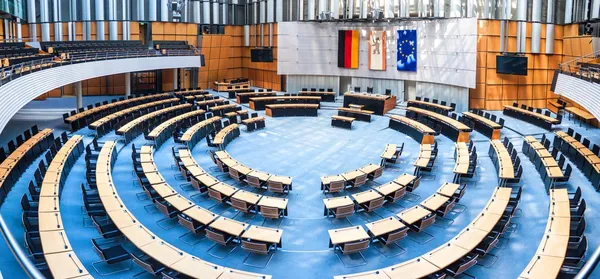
(261, 55)
(512, 65)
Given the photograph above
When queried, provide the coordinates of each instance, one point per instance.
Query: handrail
(566, 66)
(14, 71)
(21, 256)
(589, 266)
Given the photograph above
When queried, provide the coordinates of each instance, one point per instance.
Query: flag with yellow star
(407, 50)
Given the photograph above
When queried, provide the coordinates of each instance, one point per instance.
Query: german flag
(348, 49)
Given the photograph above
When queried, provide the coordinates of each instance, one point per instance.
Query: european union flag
(407, 50)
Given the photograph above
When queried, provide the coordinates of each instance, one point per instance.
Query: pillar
(521, 25)
(45, 16)
(113, 28)
(141, 10)
(175, 73)
(568, 11)
(536, 26)
(86, 16)
(550, 29)
(151, 10)
(7, 30)
(19, 34)
(79, 94)
(100, 20)
(31, 19)
(56, 12)
(127, 84)
(164, 10)
(124, 9)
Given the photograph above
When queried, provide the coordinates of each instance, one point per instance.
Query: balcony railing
(15, 71)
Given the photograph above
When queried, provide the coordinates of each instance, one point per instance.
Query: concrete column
(334, 8)
(79, 94)
(124, 10)
(57, 18)
(113, 27)
(311, 9)
(6, 30)
(100, 20)
(164, 10)
(185, 16)
(205, 12)
(550, 28)
(568, 11)
(87, 17)
(31, 19)
(536, 27)
(521, 26)
(45, 15)
(215, 18)
(595, 9)
(19, 35)
(141, 11)
(175, 74)
(151, 10)
(127, 84)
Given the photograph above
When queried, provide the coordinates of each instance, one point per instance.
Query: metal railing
(572, 65)
(589, 266)
(15, 71)
(21, 257)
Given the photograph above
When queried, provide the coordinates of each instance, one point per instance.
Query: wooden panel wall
(171, 31)
(575, 46)
(495, 90)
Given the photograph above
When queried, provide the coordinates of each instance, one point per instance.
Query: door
(345, 85)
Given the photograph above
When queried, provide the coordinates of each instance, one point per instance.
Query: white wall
(448, 93)
(447, 50)
(585, 93)
(20, 91)
(296, 83)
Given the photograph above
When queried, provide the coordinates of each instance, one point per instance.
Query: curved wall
(585, 93)
(20, 91)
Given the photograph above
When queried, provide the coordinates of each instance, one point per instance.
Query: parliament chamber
(308, 139)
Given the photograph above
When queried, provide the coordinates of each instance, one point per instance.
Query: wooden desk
(412, 269)
(263, 234)
(197, 268)
(347, 235)
(486, 126)
(388, 152)
(469, 238)
(55, 242)
(200, 214)
(542, 267)
(66, 265)
(445, 255)
(448, 189)
(413, 214)
(418, 131)
(388, 188)
(366, 197)
(418, 103)
(229, 226)
(279, 203)
(462, 131)
(384, 226)
(163, 252)
(435, 202)
(404, 179)
(333, 203)
(380, 104)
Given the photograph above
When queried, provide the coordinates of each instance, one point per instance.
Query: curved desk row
(355, 178)
(270, 207)
(226, 135)
(244, 97)
(369, 200)
(208, 103)
(80, 120)
(451, 128)
(326, 96)
(543, 161)
(292, 110)
(221, 110)
(534, 118)
(200, 130)
(483, 125)
(144, 239)
(437, 261)
(391, 229)
(260, 103)
(552, 250)
(254, 178)
(199, 98)
(462, 157)
(502, 161)
(138, 125)
(228, 86)
(190, 92)
(107, 123)
(58, 252)
(17, 161)
(582, 156)
(427, 156)
(163, 131)
(416, 130)
(358, 114)
(430, 106)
